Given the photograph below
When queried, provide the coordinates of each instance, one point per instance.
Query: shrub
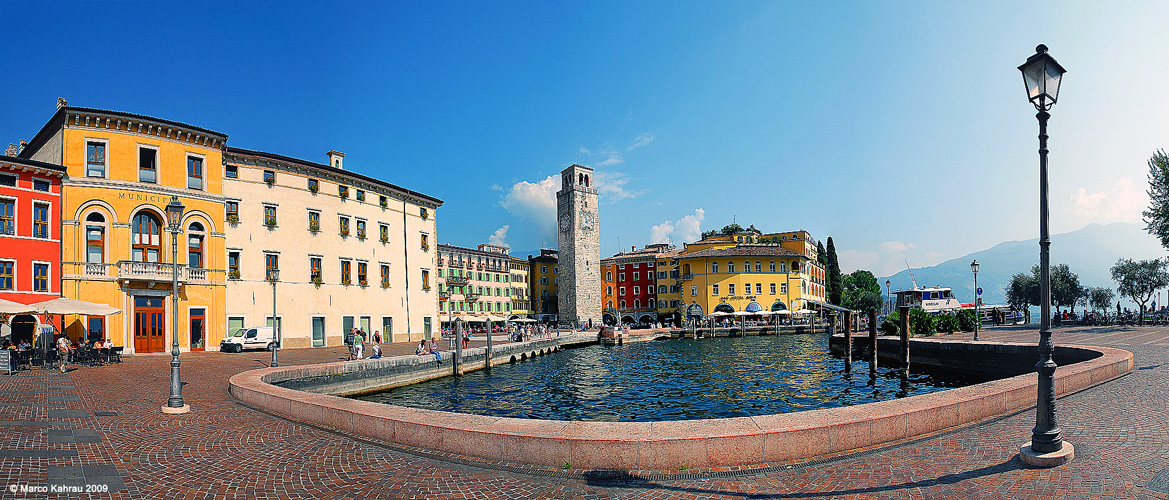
(922, 323)
(892, 324)
(947, 323)
(967, 320)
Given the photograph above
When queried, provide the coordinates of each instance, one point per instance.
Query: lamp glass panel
(1033, 79)
(1053, 77)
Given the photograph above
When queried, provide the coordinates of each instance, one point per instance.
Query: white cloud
(684, 230)
(535, 201)
(496, 187)
(499, 237)
(611, 186)
(640, 141)
(889, 258)
(1123, 202)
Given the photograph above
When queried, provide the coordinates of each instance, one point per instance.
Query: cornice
(96, 182)
(141, 125)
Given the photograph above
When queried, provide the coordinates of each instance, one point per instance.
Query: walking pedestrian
(349, 335)
(358, 343)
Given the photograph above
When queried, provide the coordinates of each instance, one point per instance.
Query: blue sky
(890, 126)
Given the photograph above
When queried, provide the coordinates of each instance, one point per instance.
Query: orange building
(30, 237)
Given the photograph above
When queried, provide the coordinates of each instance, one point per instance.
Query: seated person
(377, 351)
(421, 350)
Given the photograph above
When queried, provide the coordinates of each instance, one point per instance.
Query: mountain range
(1089, 252)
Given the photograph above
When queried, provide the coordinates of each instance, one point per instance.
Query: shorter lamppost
(977, 316)
(273, 277)
(888, 297)
(174, 215)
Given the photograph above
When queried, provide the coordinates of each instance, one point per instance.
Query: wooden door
(149, 325)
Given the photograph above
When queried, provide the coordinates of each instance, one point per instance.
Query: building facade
(544, 283)
(30, 238)
(122, 170)
(475, 281)
(521, 298)
(579, 247)
(350, 250)
(631, 285)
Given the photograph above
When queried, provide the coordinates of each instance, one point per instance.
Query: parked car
(256, 337)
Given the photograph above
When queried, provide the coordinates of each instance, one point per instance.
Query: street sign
(980, 290)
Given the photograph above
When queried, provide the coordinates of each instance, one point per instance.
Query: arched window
(730, 266)
(146, 238)
(747, 266)
(586, 181)
(758, 267)
(773, 266)
(608, 275)
(195, 245)
(651, 303)
(95, 238)
(623, 304)
(783, 266)
(609, 290)
(609, 305)
(637, 303)
(714, 267)
(795, 266)
(685, 268)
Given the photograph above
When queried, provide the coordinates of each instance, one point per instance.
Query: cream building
(351, 250)
(479, 279)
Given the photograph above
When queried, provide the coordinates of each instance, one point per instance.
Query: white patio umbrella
(494, 318)
(62, 305)
(10, 307)
(782, 312)
(804, 311)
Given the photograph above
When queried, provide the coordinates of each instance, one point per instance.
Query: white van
(256, 337)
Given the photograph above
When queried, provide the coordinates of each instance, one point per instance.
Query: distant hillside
(1090, 252)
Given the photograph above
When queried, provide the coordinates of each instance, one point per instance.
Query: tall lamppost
(1041, 76)
(977, 317)
(273, 277)
(174, 215)
(888, 297)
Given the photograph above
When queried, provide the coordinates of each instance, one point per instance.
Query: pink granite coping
(678, 444)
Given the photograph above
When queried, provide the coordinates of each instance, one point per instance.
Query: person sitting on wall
(376, 349)
(421, 350)
(435, 352)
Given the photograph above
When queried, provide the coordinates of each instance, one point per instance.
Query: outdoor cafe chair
(116, 354)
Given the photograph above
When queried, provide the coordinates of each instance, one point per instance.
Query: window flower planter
(362, 283)
(233, 218)
(233, 275)
(270, 221)
(317, 281)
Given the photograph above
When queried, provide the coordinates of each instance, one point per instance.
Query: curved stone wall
(673, 444)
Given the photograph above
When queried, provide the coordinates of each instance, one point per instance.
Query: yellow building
(544, 283)
(123, 169)
(746, 272)
(521, 299)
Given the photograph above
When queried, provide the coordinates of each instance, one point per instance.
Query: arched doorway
(724, 307)
(23, 327)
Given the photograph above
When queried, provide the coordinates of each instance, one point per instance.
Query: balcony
(157, 272)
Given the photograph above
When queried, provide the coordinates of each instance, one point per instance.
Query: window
(758, 267)
(95, 239)
(622, 266)
(232, 208)
(383, 201)
(7, 216)
(425, 279)
(758, 288)
(637, 303)
(41, 185)
(661, 275)
(620, 276)
(40, 277)
(385, 276)
(637, 290)
(543, 269)
(773, 266)
(270, 177)
(40, 221)
(426, 242)
(622, 291)
(360, 229)
(383, 233)
(7, 180)
(271, 263)
(424, 213)
(147, 166)
(314, 185)
(714, 267)
(773, 288)
(608, 275)
(343, 192)
(783, 288)
(343, 223)
(623, 304)
(608, 291)
(6, 272)
(730, 289)
(95, 159)
(636, 276)
(360, 195)
(783, 266)
(345, 276)
(362, 274)
(661, 289)
(146, 235)
(714, 289)
(194, 173)
(269, 216)
(693, 290)
(731, 267)
(314, 221)
(233, 265)
(195, 245)
(231, 172)
(314, 269)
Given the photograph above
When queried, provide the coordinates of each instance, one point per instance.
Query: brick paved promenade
(102, 425)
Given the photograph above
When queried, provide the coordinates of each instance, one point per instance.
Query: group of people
(356, 340)
(425, 349)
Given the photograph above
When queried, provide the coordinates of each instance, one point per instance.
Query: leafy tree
(708, 234)
(1066, 289)
(1100, 298)
(732, 228)
(856, 283)
(1139, 280)
(1156, 217)
(821, 255)
(866, 300)
(1023, 292)
(835, 285)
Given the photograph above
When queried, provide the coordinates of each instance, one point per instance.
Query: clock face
(565, 223)
(587, 220)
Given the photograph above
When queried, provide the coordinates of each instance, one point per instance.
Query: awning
(753, 307)
(62, 305)
(10, 307)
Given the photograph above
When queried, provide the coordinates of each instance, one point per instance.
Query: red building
(629, 284)
(30, 237)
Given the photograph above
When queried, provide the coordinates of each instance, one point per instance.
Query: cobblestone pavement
(101, 425)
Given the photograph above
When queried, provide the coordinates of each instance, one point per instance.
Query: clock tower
(577, 224)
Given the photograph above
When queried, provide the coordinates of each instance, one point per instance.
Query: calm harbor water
(667, 380)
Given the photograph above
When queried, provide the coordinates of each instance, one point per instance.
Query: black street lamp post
(273, 277)
(174, 214)
(977, 316)
(888, 297)
(1042, 76)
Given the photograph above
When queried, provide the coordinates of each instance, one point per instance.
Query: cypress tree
(835, 285)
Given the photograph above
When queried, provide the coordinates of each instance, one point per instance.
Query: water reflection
(666, 380)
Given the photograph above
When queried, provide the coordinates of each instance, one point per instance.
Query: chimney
(61, 102)
(335, 158)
